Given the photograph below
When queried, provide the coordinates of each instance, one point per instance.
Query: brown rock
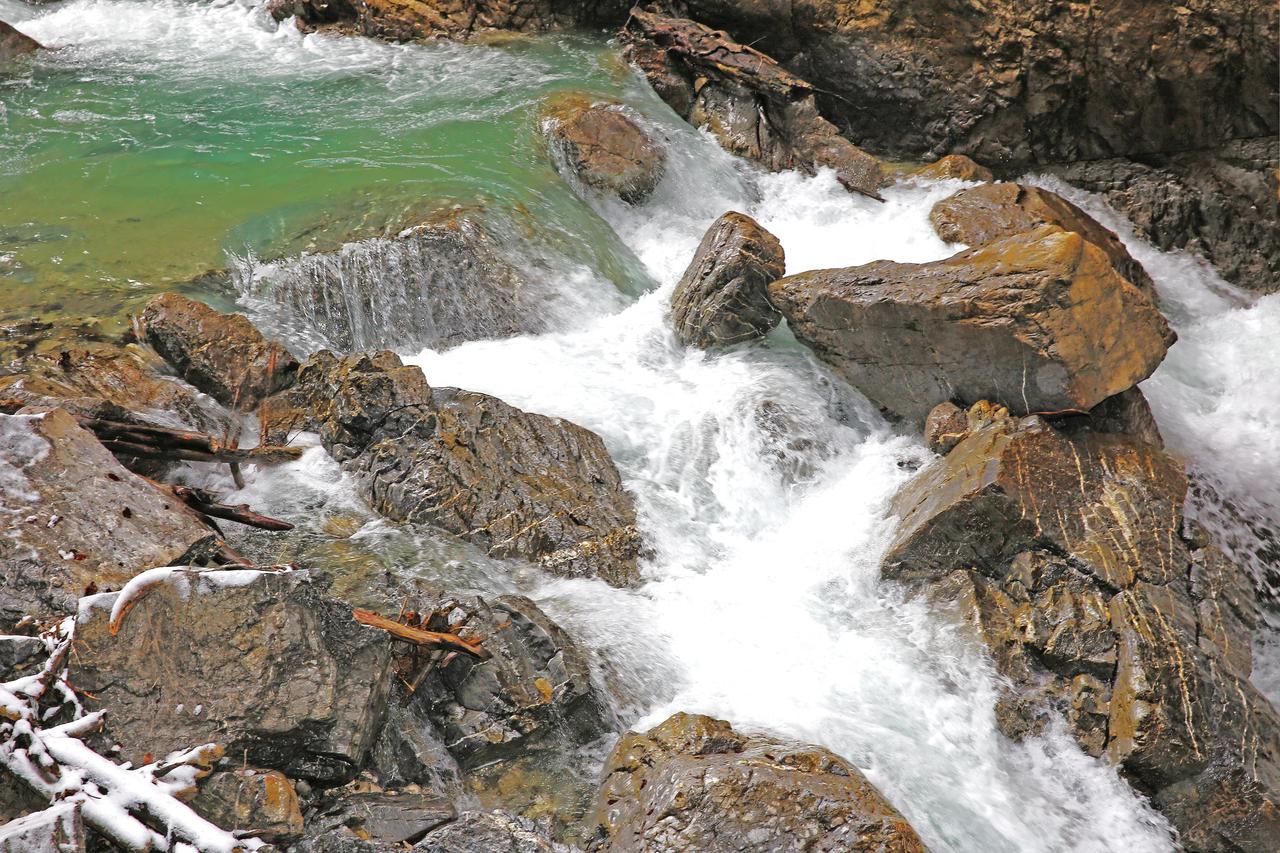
(257, 662)
(694, 784)
(513, 483)
(76, 517)
(945, 427)
(955, 166)
(991, 212)
(1039, 322)
(263, 802)
(723, 296)
(603, 147)
(754, 107)
(14, 44)
(223, 355)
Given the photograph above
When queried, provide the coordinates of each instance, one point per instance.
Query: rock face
(1068, 550)
(694, 784)
(14, 44)
(1039, 321)
(514, 483)
(994, 211)
(257, 662)
(393, 818)
(603, 147)
(223, 355)
(1012, 84)
(435, 285)
(406, 20)
(535, 692)
(75, 516)
(754, 107)
(723, 296)
(1221, 204)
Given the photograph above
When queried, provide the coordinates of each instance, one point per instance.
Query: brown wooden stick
(418, 636)
(200, 502)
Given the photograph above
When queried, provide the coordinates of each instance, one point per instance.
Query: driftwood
(421, 636)
(204, 503)
(155, 442)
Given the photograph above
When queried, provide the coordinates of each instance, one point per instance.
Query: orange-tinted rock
(603, 147)
(956, 166)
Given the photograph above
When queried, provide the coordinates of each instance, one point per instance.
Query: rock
(490, 832)
(694, 784)
(407, 20)
(55, 830)
(1040, 322)
(754, 107)
(993, 211)
(1127, 413)
(956, 166)
(945, 427)
(1015, 84)
(513, 483)
(535, 692)
(14, 44)
(599, 144)
(77, 517)
(389, 817)
(259, 663)
(1069, 552)
(223, 355)
(1219, 203)
(19, 653)
(263, 801)
(409, 750)
(436, 285)
(723, 296)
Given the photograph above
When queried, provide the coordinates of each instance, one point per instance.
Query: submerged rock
(223, 355)
(1069, 552)
(754, 107)
(694, 784)
(514, 483)
(257, 662)
(14, 44)
(1040, 322)
(603, 147)
(723, 296)
(75, 517)
(994, 211)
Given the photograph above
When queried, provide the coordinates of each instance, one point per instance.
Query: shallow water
(168, 137)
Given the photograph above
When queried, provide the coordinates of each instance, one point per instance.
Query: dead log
(155, 442)
(420, 636)
(203, 503)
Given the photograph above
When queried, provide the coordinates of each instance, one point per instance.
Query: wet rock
(409, 750)
(259, 663)
(223, 355)
(407, 20)
(1015, 84)
(1068, 551)
(956, 166)
(380, 816)
(694, 784)
(754, 107)
(14, 44)
(263, 802)
(436, 285)
(74, 516)
(993, 211)
(1220, 203)
(723, 296)
(534, 693)
(944, 428)
(603, 147)
(1040, 322)
(514, 483)
(1126, 413)
(490, 832)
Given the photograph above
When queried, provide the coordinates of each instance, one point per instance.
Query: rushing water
(167, 135)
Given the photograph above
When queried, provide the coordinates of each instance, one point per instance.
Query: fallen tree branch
(202, 502)
(420, 636)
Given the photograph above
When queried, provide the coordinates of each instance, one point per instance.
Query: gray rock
(19, 653)
(14, 44)
(490, 832)
(388, 817)
(263, 802)
(409, 750)
(75, 516)
(258, 663)
(1039, 322)
(723, 296)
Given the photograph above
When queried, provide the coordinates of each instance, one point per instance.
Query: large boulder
(75, 518)
(407, 20)
(1067, 548)
(438, 284)
(754, 107)
(1039, 321)
(603, 147)
(14, 44)
(514, 483)
(723, 296)
(994, 211)
(253, 801)
(694, 784)
(258, 662)
(223, 355)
